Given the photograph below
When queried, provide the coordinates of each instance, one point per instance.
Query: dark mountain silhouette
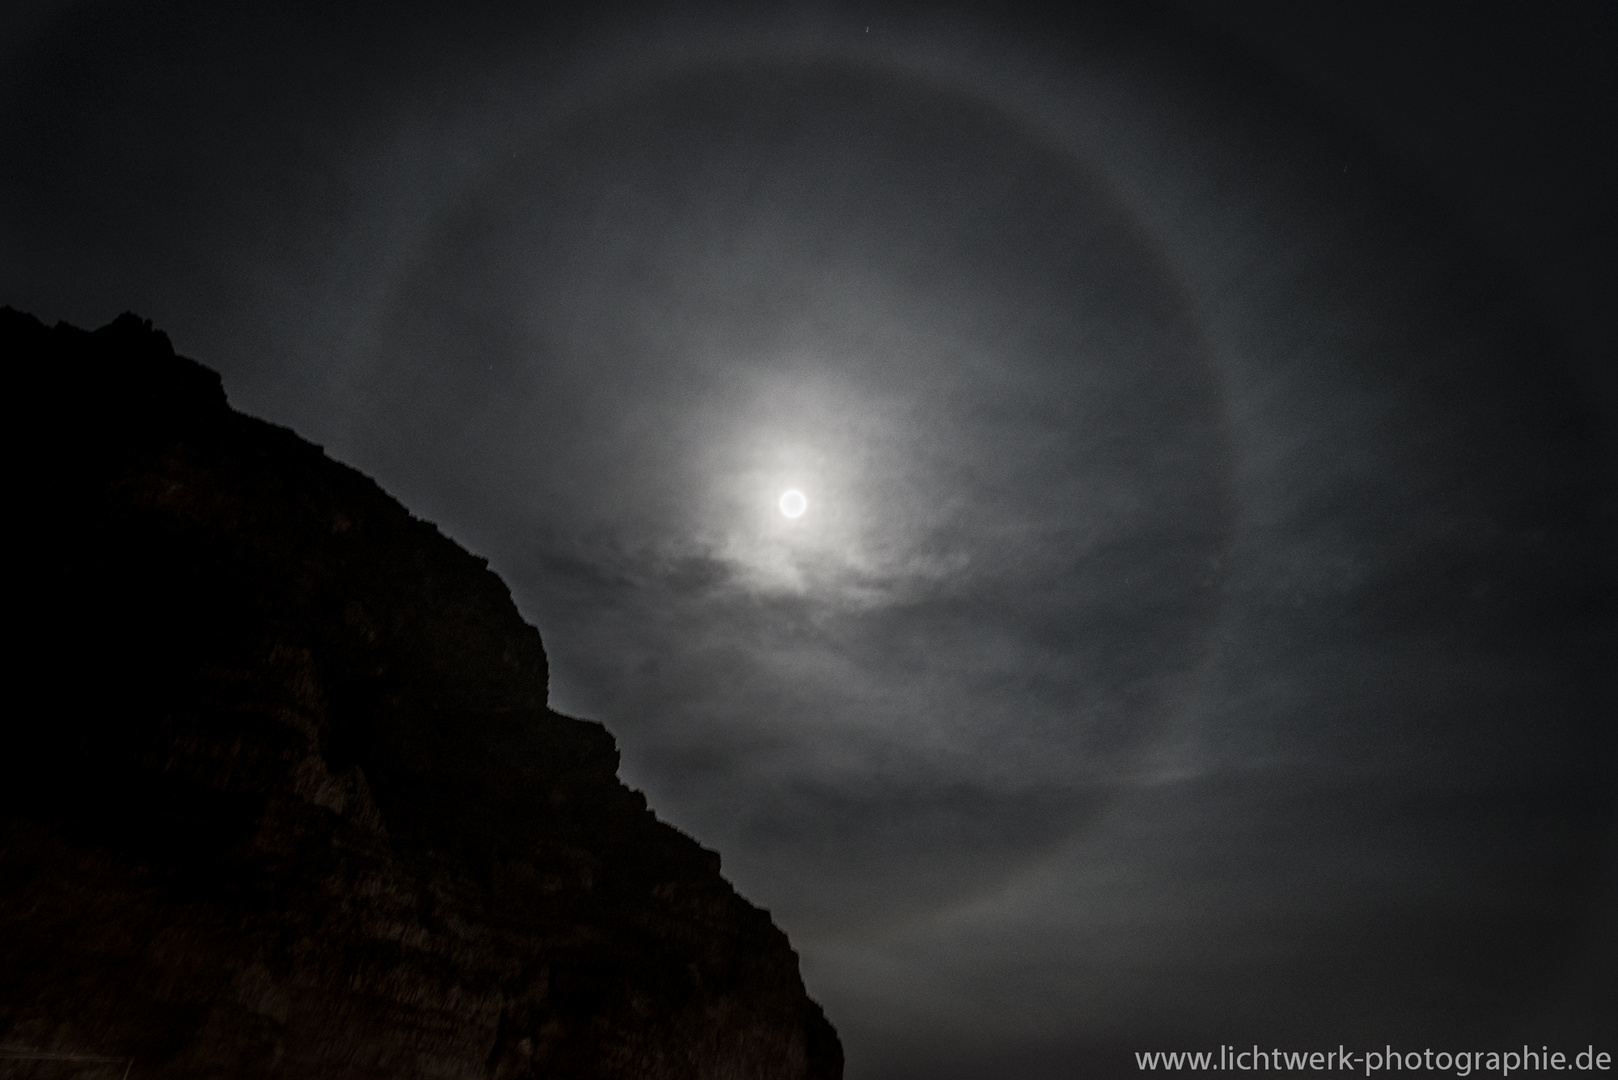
(281, 795)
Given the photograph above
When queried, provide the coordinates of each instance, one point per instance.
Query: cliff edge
(280, 794)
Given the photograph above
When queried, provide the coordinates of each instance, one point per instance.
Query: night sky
(1202, 627)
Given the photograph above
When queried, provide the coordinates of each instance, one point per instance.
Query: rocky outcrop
(281, 793)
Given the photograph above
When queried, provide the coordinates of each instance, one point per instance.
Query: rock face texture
(280, 794)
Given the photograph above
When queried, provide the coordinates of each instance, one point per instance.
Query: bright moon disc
(793, 503)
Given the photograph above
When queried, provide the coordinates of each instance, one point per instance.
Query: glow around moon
(793, 503)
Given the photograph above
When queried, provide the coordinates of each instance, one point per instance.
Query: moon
(793, 503)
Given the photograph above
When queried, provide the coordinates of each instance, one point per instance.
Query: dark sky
(1202, 626)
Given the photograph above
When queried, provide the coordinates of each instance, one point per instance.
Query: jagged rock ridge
(281, 795)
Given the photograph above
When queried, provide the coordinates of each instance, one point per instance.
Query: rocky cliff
(280, 794)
